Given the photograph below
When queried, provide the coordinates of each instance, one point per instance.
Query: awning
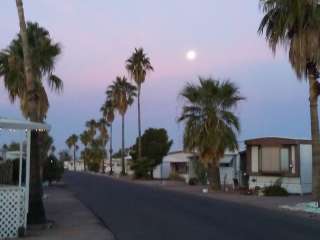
(227, 159)
(178, 158)
(22, 125)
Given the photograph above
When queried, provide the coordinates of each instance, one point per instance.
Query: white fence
(12, 211)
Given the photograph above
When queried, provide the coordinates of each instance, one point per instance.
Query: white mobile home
(179, 162)
(231, 166)
(232, 169)
(289, 160)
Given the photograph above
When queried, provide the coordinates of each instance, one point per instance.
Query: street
(136, 212)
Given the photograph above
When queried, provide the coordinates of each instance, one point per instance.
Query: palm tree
(138, 65)
(211, 127)
(44, 54)
(72, 143)
(123, 94)
(107, 110)
(294, 24)
(23, 80)
(85, 138)
(103, 137)
(92, 127)
(27, 61)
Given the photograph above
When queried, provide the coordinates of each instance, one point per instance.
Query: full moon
(191, 55)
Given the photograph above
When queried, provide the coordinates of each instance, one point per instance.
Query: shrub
(200, 172)
(193, 181)
(52, 169)
(142, 168)
(93, 166)
(275, 190)
(175, 177)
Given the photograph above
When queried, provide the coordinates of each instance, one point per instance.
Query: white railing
(12, 211)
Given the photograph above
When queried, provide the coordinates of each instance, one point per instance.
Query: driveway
(140, 212)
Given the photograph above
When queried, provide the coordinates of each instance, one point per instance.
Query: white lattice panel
(12, 211)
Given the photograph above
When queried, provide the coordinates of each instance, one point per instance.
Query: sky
(97, 37)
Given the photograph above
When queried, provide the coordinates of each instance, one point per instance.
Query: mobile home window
(270, 159)
(255, 159)
(285, 159)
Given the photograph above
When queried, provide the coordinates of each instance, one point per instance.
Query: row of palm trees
(120, 96)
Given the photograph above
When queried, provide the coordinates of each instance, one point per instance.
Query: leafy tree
(123, 94)
(155, 145)
(64, 156)
(211, 127)
(72, 143)
(294, 24)
(96, 155)
(52, 169)
(138, 66)
(95, 138)
(30, 59)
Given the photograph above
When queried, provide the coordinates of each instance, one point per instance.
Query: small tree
(155, 145)
(64, 156)
(52, 169)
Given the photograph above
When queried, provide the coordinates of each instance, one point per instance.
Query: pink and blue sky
(97, 37)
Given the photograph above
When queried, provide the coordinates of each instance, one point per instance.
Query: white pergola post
(9, 194)
(20, 162)
(27, 174)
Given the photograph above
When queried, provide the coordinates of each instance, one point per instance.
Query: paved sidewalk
(71, 219)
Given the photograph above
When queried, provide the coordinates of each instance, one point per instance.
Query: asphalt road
(136, 212)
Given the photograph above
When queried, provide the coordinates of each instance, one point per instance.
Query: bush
(193, 181)
(175, 177)
(200, 172)
(142, 168)
(93, 166)
(52, 169)
(275, 190)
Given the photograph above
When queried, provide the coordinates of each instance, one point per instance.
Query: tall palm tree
(211, 126)
(138, 65)
(44, 53)
(27, 60)
(72, 143)
(107, 110)
(103, 137)
(294, 24)
(92, 127)
(23, 80)
(123, 94)
(85, 138)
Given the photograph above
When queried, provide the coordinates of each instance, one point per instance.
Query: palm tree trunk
(214, 176)
(139, 123)
(36, 213)
(313, 91)
(123, 171)
(36, 210)
(111, 170)
(74, 158)
(104, 150)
